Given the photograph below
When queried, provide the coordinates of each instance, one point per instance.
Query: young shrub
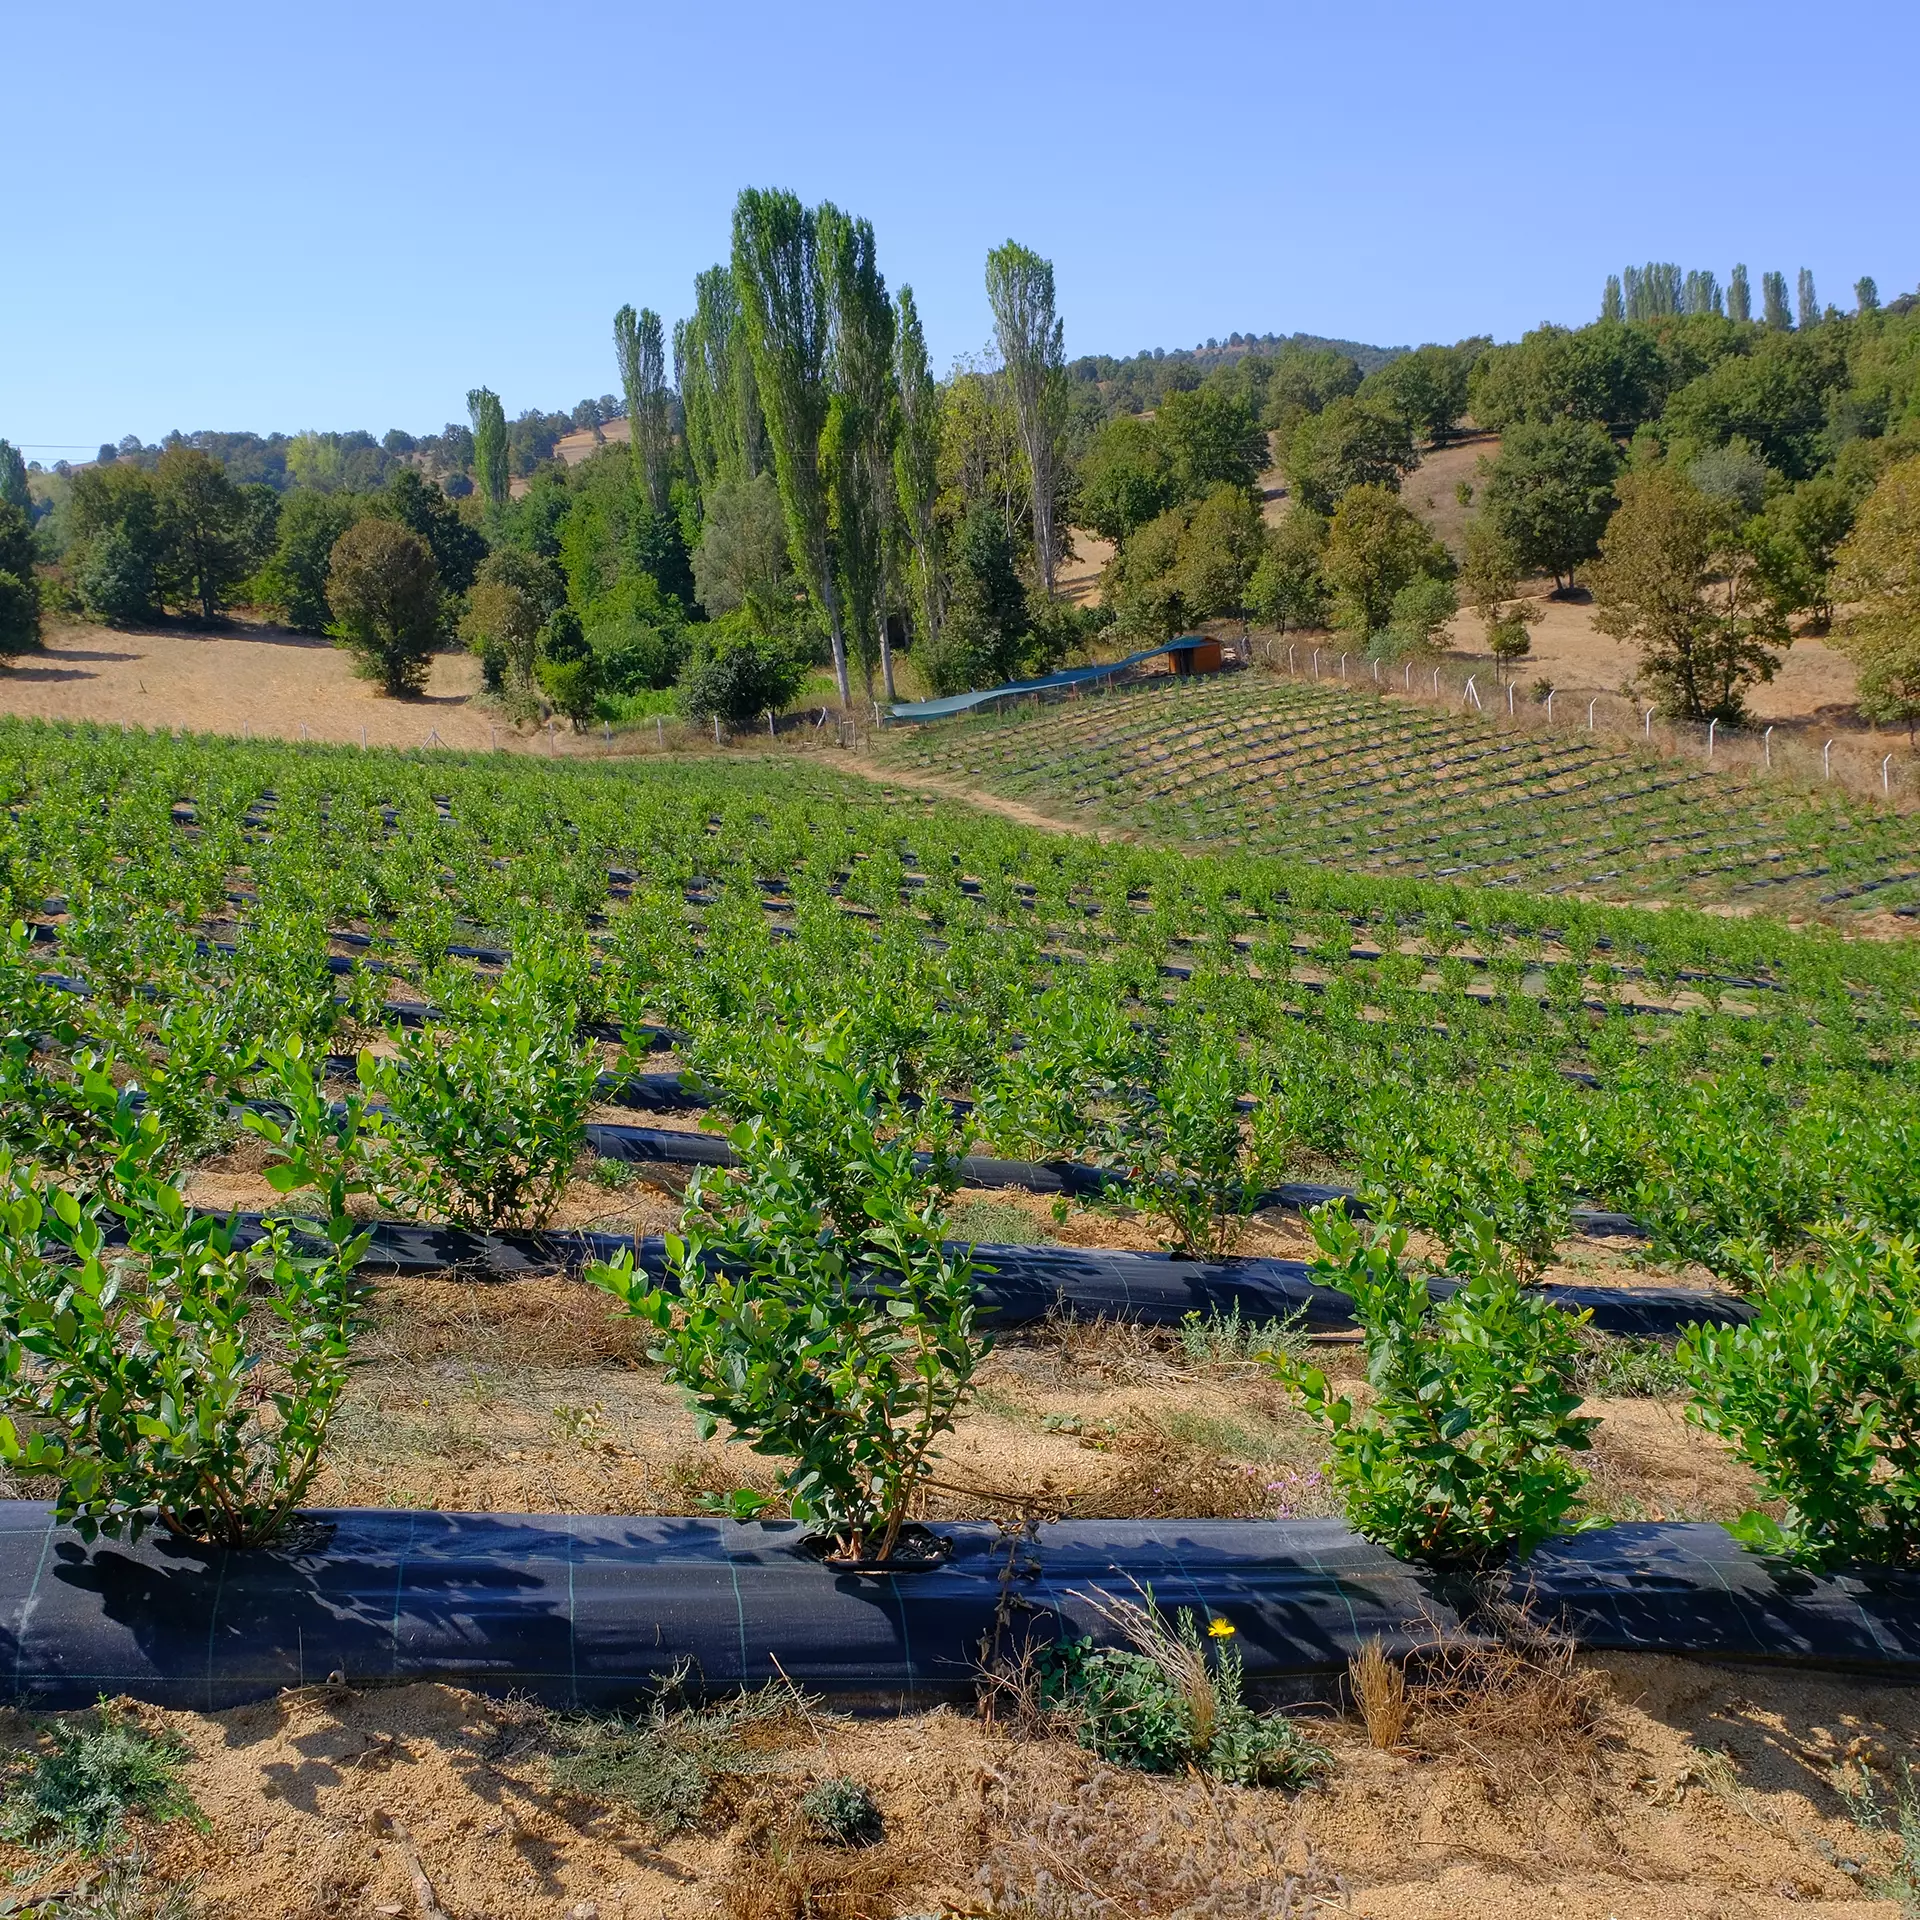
(843, 1813)
(1173, 1701)
(1462, 1455)
(1188, 1154)
(74, 1794)
(487, 1109)
(139, 1368)
(819, 1315)
(1820, 1394)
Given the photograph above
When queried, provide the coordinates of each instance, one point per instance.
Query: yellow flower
(1220, 1629)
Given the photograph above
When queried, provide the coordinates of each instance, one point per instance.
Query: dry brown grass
(1380, 1691)
(1217, 1854)
(780, 1873)
(549, 1323)
(1519, 1708)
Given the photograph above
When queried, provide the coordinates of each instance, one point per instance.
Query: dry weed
(519, 1324)
(1162, 1474)
(1066, 1348)
(1198, 1855)
(1380, 1690)
(1519, 1707)
(780, 1872)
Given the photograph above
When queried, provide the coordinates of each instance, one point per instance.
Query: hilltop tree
(1807, 300)
(776, 269)
(1773, 298)
(1866, 294)
(1878, 571)
(640, 350)
(859, 438)
(1126, 477)
(1674, 581)
(490, 451)
(1426, 388)
(1549, 493)
(1612, 305)
(1031, 339)
(1346, 445)
(385, 594)
(916, 465)
(1212, 439)
(1739, 295)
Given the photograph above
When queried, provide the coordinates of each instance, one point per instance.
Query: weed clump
(671, 1766)
(75, 1795)
(843, 1813)
(1171, 1701)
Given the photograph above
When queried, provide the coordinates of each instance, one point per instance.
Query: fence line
(1860, 766)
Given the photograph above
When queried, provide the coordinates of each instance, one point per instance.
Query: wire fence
(1878, 767)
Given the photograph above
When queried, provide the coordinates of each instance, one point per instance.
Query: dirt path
(976, 797)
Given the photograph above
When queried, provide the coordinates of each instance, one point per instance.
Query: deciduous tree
(916, 466)
(1877, 569)
(385, 594)
(1343, 446)
(202, 526)
(743, 559)
(490, 451)
(641, 352)
(1674, 582)
(1549, 493)
(1289, 587)
(1031, 339)
(14, 491)
(294, 580)
(1794, 540)
(1376, 546)
(1212, 438)
(776, 270)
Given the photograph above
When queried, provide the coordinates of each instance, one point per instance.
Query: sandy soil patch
(243, 678)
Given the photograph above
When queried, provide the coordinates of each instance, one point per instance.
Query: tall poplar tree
(1031, 340)
(1612, 306)
(1773, 297)
(1809, 303)
(1739, 295)
(14, 491)
(713, 368)
(916, 465)
(641, 351)
(860, 431)
(776, 271)
(1866, 294)
(489, 419)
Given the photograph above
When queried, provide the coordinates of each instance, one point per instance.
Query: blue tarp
(1070, 677)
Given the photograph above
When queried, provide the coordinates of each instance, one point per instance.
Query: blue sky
(347, 214)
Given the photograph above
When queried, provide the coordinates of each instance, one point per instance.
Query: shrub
(487, 1108)
(740, 682)
(1185, 1151)
(819, 1313)
(75, 1794)
(1462, 1454)
(384, 589)
(117, 581)
(1171, 1701)
(19, 615)
(140, 1368)
(569, 670)
(1820, 1394)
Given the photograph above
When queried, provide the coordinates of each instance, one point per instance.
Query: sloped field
(1339, 777)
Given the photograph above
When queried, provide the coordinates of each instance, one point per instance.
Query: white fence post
(1766, 742)
(1551, 691)
(1826, 761)
(1885, 783)
(1649, 723)
(1316, 663)
(1591, 704)
(1713, 727)
(1436, 683)
(1343, 669)
(1509, 699)
(1474, 693)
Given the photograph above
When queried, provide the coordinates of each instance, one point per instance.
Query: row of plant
(133, 1358)
(1250, 757)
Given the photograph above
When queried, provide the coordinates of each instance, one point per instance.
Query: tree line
(798, 490)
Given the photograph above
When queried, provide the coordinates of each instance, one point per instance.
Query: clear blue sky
(346, 214)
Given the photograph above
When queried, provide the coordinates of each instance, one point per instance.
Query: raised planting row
(1344, 777)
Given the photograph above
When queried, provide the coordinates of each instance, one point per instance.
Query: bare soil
(1705, 1794)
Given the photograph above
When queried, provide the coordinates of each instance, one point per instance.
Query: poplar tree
(640, 349)
(489, 419)
(1612, 306)
(776, 273)
(861, 429)
(1739, 295)
(1031, 340)
(1773, 297)
(713, 368)
(916, 464)
(1866, 295)
(1808, 302)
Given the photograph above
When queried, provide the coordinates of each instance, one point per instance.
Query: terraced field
(1338, 777)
